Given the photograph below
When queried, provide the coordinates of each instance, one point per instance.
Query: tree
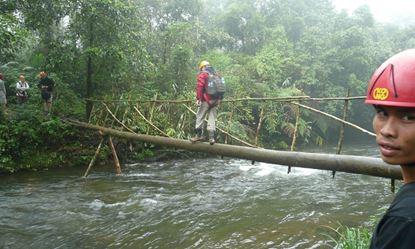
(12, 35)
(244, 24)
(102, 31)
(276, 61)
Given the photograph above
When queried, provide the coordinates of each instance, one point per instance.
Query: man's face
(22, 79)
(395, 134)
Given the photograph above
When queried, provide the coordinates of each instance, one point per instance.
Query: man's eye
(380, 113)
(408, 117)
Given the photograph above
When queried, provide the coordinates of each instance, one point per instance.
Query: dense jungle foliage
(142, 49)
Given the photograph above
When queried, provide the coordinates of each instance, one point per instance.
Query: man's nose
(389, 127)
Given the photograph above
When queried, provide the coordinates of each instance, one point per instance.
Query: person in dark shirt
(46, 85)
(392, 93)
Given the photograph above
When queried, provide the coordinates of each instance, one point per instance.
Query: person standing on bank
(3, 95)
(392, 93)
(21, 90)
(207, 105)
(46, 85)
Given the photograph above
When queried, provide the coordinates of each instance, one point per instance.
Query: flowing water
(203, 203)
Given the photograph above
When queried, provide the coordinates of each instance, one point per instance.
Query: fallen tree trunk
(342, 163)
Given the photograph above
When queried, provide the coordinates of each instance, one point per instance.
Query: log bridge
(343, 163)
(245, 150)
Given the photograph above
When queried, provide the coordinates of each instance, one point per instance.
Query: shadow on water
(208, 203)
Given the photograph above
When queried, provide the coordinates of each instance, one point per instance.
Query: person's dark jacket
(46, 84)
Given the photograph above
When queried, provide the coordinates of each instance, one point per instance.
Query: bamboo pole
(229, 100)
(114, 115)
(343, 163)
(148, 122)
(187, 101)
(126, 112)
(294, 140)
(103, 114)
(277, 99)
(116, 119)
(258, 128)
(124, 116)
(224, 132)
(291, 98)
(342, 126)
(183, 119)
(335, 118)
(341, 135)
(115, 157)
(338, 98)
(227, 130)
(92, 162)
(92, 112)
(151, 113)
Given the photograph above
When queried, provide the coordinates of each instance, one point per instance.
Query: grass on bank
(350, 237)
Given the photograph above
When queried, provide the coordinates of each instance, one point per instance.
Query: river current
(192, 203)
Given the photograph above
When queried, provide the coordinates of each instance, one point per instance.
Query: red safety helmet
(393, 83)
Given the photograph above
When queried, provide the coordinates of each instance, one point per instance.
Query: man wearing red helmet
(392, 92)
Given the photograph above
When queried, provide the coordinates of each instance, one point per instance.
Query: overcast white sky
(382, 10)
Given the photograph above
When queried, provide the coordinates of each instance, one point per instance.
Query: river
(192, 203)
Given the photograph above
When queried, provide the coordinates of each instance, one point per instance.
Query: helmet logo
(380, 93)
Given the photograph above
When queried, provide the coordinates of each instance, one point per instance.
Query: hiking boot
(198, 137)
(212, 137)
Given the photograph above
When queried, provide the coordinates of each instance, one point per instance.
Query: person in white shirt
(21, 89)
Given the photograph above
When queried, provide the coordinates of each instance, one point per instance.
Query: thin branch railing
(230, 100)
(294, 100)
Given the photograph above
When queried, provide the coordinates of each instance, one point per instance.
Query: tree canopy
(265, 48)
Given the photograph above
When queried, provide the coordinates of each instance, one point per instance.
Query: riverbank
(32, 141)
